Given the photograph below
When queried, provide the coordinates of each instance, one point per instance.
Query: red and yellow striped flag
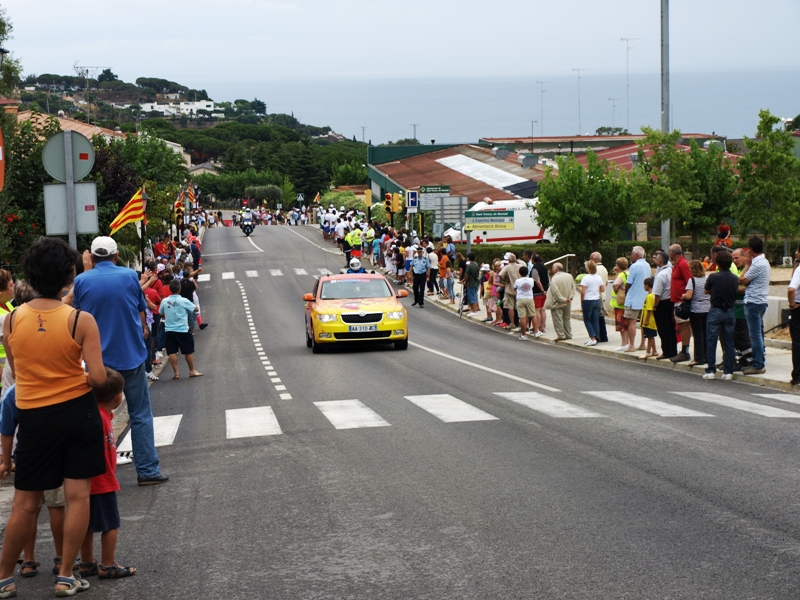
(190, 193)
(131, 213)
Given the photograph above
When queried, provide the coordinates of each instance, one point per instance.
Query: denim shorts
(472, 295)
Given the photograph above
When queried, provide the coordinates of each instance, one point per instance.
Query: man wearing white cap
(114, 297)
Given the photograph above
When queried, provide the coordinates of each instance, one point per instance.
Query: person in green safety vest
(6, 296)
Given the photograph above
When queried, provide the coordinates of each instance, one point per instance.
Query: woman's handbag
(683, 310)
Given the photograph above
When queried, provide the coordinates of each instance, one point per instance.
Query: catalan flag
(316, 198)
(131, 213)
(190, 193)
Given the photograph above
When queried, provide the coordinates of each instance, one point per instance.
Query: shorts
(678, 320)
(525, 308)
(61, 441)
(54, 498)
(620, 322)
(103, 512)
(538, 301)
(650, 333)
(408, 265)
(472, 295)
(355, 253)
(632, 313)
(179, 340)
(510, 301)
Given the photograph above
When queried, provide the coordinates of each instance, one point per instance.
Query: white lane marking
(204, 277)
(656, 407)
(276, 272)
(227, 253)
(450, 409)
(286, 396)
(300, 272)
(558, 409)
(280, 388)
(228, 275)
(350, 414)
(251, 273)
(164, 431)
(275, 379)
(251, 422)
(310, 242)
(751, 407)
(272, 373)
(790, 398)
(252, 243)
(483, 368)
(325, 272)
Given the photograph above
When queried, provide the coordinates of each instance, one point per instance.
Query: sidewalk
(778, 353)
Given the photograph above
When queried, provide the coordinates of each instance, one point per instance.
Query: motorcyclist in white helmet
(355, 266)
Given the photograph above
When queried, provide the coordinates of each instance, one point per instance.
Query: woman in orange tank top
(59, 434)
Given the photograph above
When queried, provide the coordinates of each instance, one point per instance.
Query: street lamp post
(627, 80)
(579, 97)
(3, 53)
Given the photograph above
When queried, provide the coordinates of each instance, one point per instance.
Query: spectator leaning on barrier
(756, 281)
(635, 294)
(559, 301)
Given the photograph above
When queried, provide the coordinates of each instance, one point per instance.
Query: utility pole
(627, 80)
(414, 125)
(579, 97)
(532, 124)
(363, 129)
(665, 126)
(613, 110)
(541, 106)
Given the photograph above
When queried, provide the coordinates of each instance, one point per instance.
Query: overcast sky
(204, 43)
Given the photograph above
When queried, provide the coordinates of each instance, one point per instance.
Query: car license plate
(363, 328)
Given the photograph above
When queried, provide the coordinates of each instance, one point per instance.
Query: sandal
(4, 585)
(115, 571)
(87, 569)
(57, 565)
(33, 567)
(75, 585)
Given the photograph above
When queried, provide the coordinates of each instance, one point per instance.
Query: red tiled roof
(620, 155)
(86, 129)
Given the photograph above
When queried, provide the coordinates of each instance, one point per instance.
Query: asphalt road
(436, 485)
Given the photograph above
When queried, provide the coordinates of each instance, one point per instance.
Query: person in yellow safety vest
(369, 235)
(354, 238)
(6, 296)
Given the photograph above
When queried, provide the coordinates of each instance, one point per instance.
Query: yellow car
(354, 308)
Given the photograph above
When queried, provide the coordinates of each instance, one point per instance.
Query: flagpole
(144, 226)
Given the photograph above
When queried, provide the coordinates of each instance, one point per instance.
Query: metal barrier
(555, 260)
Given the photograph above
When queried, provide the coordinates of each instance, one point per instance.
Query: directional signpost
(488, 219)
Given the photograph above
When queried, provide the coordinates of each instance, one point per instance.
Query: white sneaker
(622, 348)
(124, 458)
(538, 334)
(727, 376)
(152, 376)
(709, 376)
(591, 343)
(159, 354)
(523, 337)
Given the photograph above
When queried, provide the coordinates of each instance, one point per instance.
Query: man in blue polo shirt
(114, 297)
(635, 294)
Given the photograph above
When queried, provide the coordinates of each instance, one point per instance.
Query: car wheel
(309, 340)
(315, 347)
(401, 344)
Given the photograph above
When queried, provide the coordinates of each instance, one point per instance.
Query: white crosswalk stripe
(751, 407)
(164, 429)
(276, 272)
(656, 407)
(790, 398)
(204, 277)
(300, 272)
(228, 275)
(251, 273)
(251, 422)
(325, 272)
(450, 409)
(350, 414)
(558, 409)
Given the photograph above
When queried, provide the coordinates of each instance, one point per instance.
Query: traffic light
(397, 203)
(179, 211)
(387, 202)
(368, 198)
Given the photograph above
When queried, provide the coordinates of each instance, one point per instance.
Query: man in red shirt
(681, 275)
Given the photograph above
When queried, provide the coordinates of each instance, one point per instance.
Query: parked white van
(526, 229)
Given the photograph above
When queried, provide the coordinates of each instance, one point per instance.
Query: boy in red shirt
(103, 508)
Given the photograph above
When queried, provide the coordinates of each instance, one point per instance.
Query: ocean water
(465, 109)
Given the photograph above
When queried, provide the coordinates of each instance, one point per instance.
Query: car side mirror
(310, 297)
(402, 293)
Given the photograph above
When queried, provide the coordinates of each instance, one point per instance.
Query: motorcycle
(247, 227)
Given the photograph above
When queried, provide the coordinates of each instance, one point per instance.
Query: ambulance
(526, 229)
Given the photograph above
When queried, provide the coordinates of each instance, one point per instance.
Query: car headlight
(326, 318)
(397, 315)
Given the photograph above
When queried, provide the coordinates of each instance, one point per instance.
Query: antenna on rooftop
(87, 72)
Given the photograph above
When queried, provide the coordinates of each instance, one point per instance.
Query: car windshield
(341, 289)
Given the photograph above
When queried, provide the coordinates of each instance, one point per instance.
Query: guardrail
(566, 266)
